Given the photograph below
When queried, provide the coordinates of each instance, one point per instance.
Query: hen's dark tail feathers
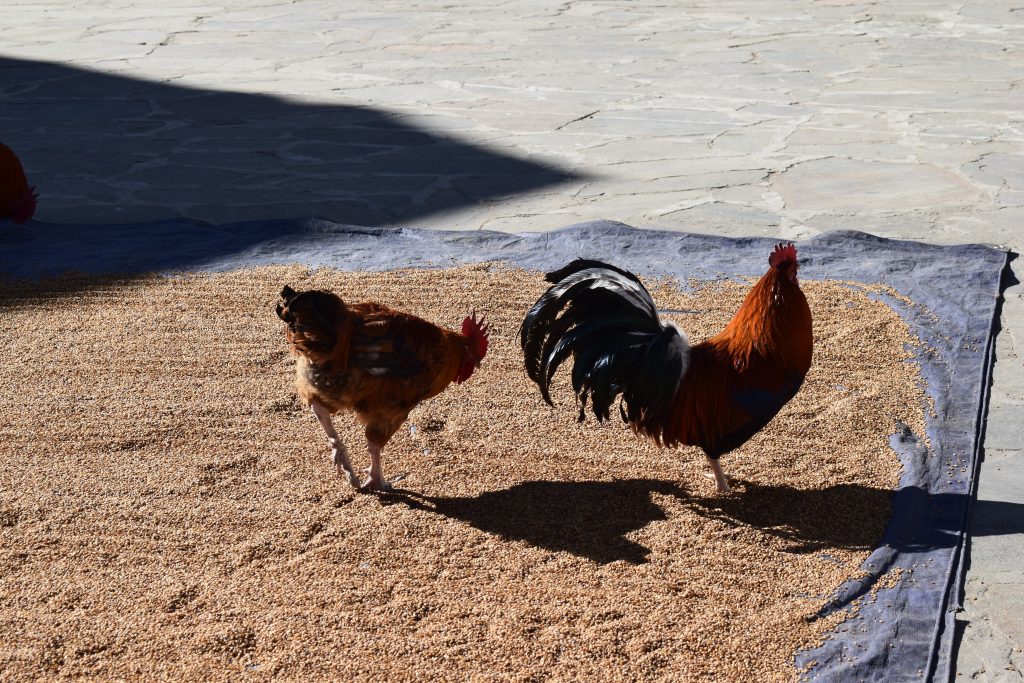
(606, 319)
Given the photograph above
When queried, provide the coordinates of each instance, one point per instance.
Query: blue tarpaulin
(906, 632)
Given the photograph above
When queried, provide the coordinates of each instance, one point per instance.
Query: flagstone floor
(735, 117)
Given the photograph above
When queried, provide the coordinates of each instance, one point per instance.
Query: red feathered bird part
(782, 254)
(17, 199)
(478, 331)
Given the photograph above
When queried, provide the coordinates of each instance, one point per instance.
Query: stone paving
(738, 117)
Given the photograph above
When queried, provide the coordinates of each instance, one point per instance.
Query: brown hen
(375, 362)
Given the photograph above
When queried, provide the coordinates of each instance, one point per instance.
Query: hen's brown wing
(411, 358)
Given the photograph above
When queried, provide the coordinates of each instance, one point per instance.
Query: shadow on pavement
(122, 150)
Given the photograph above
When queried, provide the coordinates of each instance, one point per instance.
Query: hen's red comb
(783, 252)
(478, 331)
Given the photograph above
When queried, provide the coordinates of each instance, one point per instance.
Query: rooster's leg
(338, 451)
(720, 480)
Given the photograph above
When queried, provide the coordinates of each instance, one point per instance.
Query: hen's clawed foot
(346, 473)
(375, 486)
(381, 485)
(344, 467)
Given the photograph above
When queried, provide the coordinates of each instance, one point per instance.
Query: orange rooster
(17, 199)
(374, 361)
(715, 395)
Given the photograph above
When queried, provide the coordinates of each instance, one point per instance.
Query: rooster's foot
(716, 473)
(721, 487)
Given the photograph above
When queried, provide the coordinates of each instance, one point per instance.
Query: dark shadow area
(586, 518)
(52, 292)
(591, 518)
(103, 148)
(996, 518)
(19, 293)
(851, 515)
(847, 516)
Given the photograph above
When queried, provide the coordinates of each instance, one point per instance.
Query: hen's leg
(720, 480)
(377, 437)
(376, 471)
(338, 451)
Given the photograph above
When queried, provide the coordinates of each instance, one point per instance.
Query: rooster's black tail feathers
(605, 318)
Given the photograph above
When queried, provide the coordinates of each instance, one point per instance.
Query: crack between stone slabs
(982, 188)
(559, 11)
(697, 203)
(785, 169)
(702, 188)
(714, 138)
(777, 143)
(775, 222)
(985, 631)
(508, 217)
(578, 119)
(577, 193)
(760, 167)
(193, 27)
(770, 38)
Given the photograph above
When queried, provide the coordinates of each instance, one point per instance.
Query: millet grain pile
(168, 509)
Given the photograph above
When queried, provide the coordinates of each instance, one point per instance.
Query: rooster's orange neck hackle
(767, 325)
(741, 377)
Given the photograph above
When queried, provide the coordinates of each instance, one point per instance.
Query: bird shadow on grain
(589, 519)
(854, 517)
(848, 516)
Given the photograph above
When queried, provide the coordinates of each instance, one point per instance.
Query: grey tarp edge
(898, 633)
(942, 667)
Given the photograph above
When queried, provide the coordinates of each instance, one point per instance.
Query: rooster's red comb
(783, 252)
